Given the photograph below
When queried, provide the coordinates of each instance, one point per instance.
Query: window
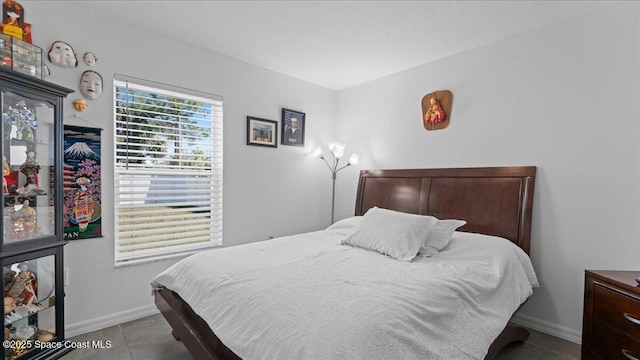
(168, 170)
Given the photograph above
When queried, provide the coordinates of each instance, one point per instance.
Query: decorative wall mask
(80, 104)
(91, 85)
(90, 58)
(436, 109)
(62, 54)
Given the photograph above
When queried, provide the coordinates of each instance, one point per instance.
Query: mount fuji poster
(81, 183)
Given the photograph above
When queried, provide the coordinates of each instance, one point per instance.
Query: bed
(495, 202)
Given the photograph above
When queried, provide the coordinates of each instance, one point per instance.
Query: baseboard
(106, 321)
(548, 328)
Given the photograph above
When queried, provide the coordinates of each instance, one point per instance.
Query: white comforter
(307, 297)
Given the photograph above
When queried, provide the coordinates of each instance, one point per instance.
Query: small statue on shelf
(9, 304)
(26, 133)
(7, 122)
(44, 335)
(24, 120)
(31, 168)
(24, 223)
(25, 332)
(8, 275)
(27, 212)
(16, 229)
(6, 171)
(29, 190)
(29, 215)
(24, 286)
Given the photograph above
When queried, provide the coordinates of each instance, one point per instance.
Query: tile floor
(540, 346)
(150, 338)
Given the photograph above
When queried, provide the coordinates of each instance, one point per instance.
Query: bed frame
(495, 200)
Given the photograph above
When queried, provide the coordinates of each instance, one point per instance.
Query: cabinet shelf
(25, 311)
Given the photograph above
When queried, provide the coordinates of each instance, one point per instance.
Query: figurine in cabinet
(22, 118)
(6, 171)
(8, 275)
(25, 332)
(16, 229)
(27, 213)
(29, 216)
(24, 223)
(24, 286)
(26, 133)
(31, 168)
(9, 304)
(7, 123)
(44, 336)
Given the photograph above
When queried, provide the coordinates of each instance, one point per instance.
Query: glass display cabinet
(21, 56)
(32, 241)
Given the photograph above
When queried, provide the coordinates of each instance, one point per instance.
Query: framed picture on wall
(293, 123)
(262, 132)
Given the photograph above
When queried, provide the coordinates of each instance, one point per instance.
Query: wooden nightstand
(611, 322)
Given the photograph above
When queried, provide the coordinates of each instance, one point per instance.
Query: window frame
(203, 174)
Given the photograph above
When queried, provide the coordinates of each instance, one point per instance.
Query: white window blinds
(168, 170)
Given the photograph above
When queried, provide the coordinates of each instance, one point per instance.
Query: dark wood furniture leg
(511, 333)
(189, 328)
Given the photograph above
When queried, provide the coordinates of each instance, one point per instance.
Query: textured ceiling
(339, 44)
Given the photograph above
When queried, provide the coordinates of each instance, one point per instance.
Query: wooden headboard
(493, 200)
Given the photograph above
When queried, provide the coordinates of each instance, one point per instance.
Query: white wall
(267, 192)
(563, 98)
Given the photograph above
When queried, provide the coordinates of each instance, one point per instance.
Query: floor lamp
(337, 151)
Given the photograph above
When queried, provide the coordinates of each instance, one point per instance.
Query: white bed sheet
(307, 297)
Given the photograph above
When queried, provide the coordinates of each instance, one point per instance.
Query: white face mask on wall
(91, 85)
(62, 54)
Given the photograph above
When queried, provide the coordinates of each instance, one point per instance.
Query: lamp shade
(354, 159)
(317, 152)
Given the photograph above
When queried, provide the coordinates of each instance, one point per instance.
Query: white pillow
(439, 236)
(345, 224)
(392, 233)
